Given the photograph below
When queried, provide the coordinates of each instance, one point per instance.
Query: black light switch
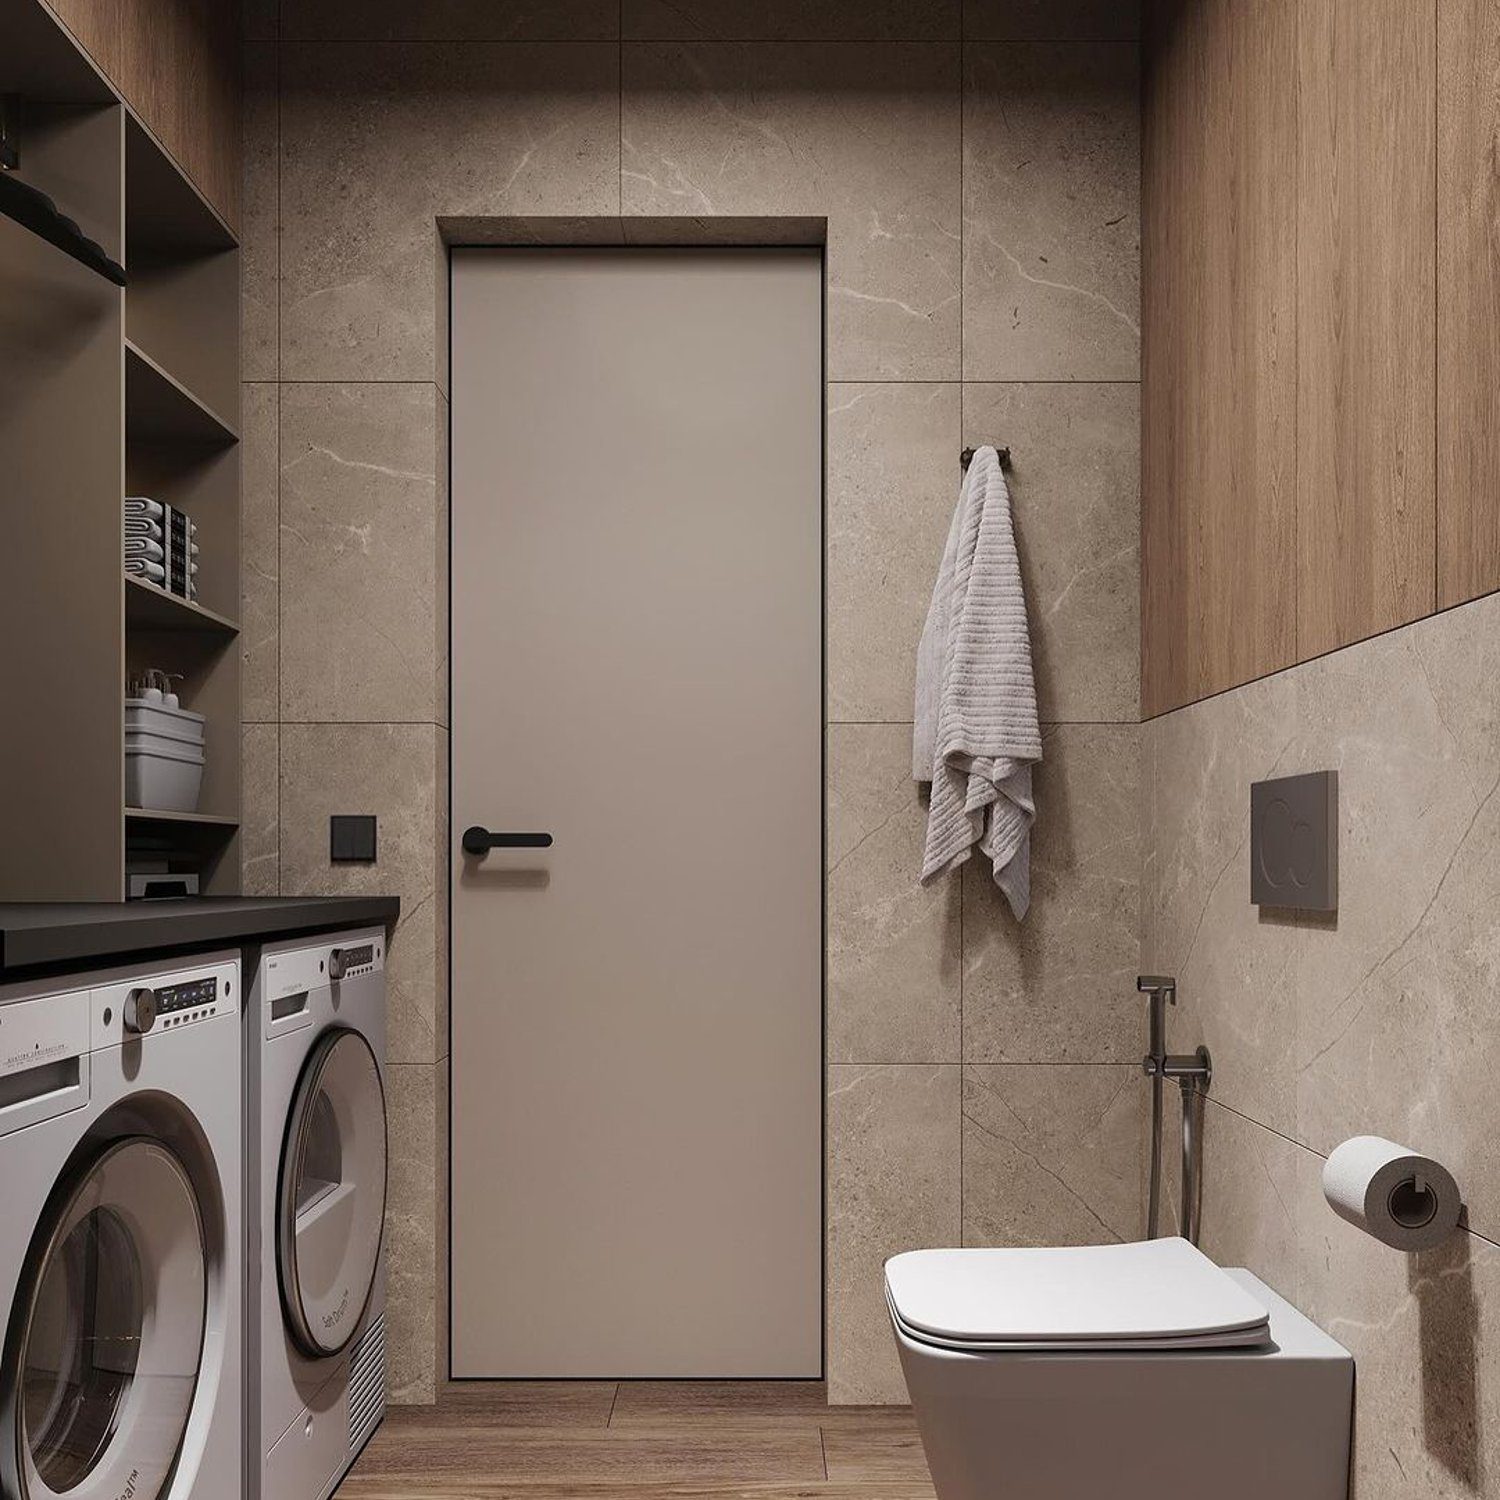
(351, 838)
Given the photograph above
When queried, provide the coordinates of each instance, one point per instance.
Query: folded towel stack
(161, 546)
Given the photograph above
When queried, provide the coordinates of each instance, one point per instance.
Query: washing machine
(316, 1179)
(121, 1236)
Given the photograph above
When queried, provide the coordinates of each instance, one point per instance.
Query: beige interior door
(637, 671)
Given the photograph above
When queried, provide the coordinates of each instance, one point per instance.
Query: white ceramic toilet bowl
(1115, 1371)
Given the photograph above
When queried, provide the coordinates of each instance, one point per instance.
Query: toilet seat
(1157, 1294)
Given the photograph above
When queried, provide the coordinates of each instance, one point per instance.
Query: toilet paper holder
(1401, 1198)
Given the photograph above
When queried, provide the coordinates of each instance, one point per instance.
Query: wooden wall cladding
(1366, 319)
(177, 64)
(1219, 395)
(1290, 369)
(1468, 248)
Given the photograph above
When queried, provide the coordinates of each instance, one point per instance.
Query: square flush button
(1294, 842)
(351, 838)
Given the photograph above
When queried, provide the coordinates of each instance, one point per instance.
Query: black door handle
(477, 840)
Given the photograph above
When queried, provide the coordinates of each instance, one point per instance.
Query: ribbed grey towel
(144, 568)
(143, 546)
(975, 734)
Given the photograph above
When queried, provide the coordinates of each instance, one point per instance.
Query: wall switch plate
(351, 838)
(1294, 842)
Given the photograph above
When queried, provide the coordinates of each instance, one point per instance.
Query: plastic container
(160, 739)
(182, 723)
(163, 780)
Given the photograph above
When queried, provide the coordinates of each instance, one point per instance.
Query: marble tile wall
(976, 163)
(1379, 1021)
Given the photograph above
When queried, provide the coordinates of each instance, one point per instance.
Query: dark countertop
(42, 935)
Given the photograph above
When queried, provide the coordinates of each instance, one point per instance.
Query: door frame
(540, 233)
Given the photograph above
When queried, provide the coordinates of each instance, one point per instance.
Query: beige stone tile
(868, 136)
(390, 770)
(1051, 211)
(1059, 987)
(1075, 485)
(359, 547)
(452, 21)
(411, 1212)
(1235, 966)
(791, 20)
(504, 128)
(893, 945)
(1396, 1033)
(893, 1185)
(260, 811)
(260, 545)
(1458, 654)
(1054, 1155)
(1052, 20)
(260, 251)
(1257, 1211)
(893, 478)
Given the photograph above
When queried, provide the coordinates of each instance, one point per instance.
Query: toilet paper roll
(1405, 1200)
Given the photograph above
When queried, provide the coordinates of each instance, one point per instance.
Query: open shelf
(156, 815)
(162, 207)
(109, 392)
(150, 607)
(160, 408)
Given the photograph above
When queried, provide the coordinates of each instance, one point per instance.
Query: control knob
(140, 1010)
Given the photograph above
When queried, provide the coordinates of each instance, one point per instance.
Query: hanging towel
(975, 735)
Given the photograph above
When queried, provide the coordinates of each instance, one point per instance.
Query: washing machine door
(106, 1334)
(331, 1209)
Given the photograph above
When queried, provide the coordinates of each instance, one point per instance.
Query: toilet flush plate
(1294, 842)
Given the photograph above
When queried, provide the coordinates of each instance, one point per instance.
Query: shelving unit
(106, 393)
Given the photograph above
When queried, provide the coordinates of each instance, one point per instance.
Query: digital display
(354, 958)
(186, 996)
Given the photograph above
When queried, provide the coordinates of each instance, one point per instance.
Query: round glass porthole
(332, 1197)
(107, 1333)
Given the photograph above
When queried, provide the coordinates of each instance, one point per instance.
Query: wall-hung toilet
(1113, 1370)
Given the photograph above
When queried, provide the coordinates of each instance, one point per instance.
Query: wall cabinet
(1321, 273)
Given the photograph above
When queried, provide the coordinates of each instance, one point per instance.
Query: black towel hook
(967, 457)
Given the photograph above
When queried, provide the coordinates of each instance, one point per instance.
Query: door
(107, 1331)
(332, 1185)
(637, 672)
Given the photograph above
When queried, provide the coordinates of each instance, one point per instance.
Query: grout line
(614, 1399)
(620, 110)
(837, 381)
(823, 1448)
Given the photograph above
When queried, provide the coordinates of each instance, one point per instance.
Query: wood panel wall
(177, 63)
(1366, 284)
(1219, 395)
(1468, 247)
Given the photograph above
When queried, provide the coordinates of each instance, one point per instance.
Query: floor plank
(670, 1403)
(641, 1440)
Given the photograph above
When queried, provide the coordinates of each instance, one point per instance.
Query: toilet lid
(1155, 1294)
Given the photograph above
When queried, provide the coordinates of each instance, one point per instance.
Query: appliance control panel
(289, 970)
(153, 1003)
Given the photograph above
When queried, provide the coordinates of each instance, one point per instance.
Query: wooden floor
(690, 1440)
